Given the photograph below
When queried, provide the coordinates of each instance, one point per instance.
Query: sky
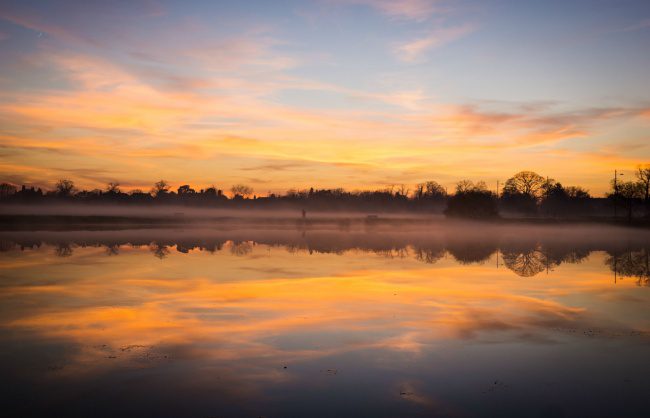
(359, 94)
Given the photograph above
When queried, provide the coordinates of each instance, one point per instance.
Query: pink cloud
(418, 10)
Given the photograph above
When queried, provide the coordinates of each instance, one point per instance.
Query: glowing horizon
(359, 94)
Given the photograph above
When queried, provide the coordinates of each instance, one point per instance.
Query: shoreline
(10, 222)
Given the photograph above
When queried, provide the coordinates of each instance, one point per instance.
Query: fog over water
(193, 212)
(346, 318)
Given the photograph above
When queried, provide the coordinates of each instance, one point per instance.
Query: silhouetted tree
(241, 190)
(630, 192)
(160, 188)
(64, 187)
(526, 182)
(7, 189)
(113, 187)
(402, 190)
(525, 192)
(28, 195)
(419, 191)
(561, 202)
(643, 176)
(472, 200)
(522, 192)
(632, 263)
(186, 190)
(626, 194)
(465, 186)
(429, 190)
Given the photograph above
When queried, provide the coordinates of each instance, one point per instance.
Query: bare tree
(113, 187)
(465, 186)
(241, 190)
(160, 187)
(630, 191)
(434, 189)
(643, 175)
(402, 190)
(418, 193)
(428, 190)
(64, 187)
(527, 183)
(577, 192)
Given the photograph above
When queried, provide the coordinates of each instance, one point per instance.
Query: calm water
(326, 323)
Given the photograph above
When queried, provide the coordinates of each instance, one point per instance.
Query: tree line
(525, 194)
(525, 257)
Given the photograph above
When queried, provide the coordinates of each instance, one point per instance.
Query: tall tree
(527, 183)
(643, 175)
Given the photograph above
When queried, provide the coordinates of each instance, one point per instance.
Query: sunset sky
(359, 94)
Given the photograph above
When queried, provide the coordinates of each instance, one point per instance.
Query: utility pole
(497, 189)
(615, 202)
(616, 174)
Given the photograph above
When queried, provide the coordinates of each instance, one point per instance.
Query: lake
(346, 320)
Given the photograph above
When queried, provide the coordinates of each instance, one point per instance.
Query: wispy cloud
(644, 24)
(404, 9)
(192, 101)
(415, 49)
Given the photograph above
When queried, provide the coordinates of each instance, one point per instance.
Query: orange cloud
(118, 119)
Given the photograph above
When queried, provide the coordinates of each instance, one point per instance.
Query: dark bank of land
(10, 222)
(525, 197)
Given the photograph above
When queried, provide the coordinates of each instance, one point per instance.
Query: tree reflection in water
(524, 253)
(632, 263)
(112, 249)
(526, 263)
(429, 255)
(473, 252)
(63, 250)
(241, 249)
(159, 250)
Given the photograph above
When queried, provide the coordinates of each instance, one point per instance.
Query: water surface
(490, 321)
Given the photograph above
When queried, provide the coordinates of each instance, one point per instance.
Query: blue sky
(328, 93)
